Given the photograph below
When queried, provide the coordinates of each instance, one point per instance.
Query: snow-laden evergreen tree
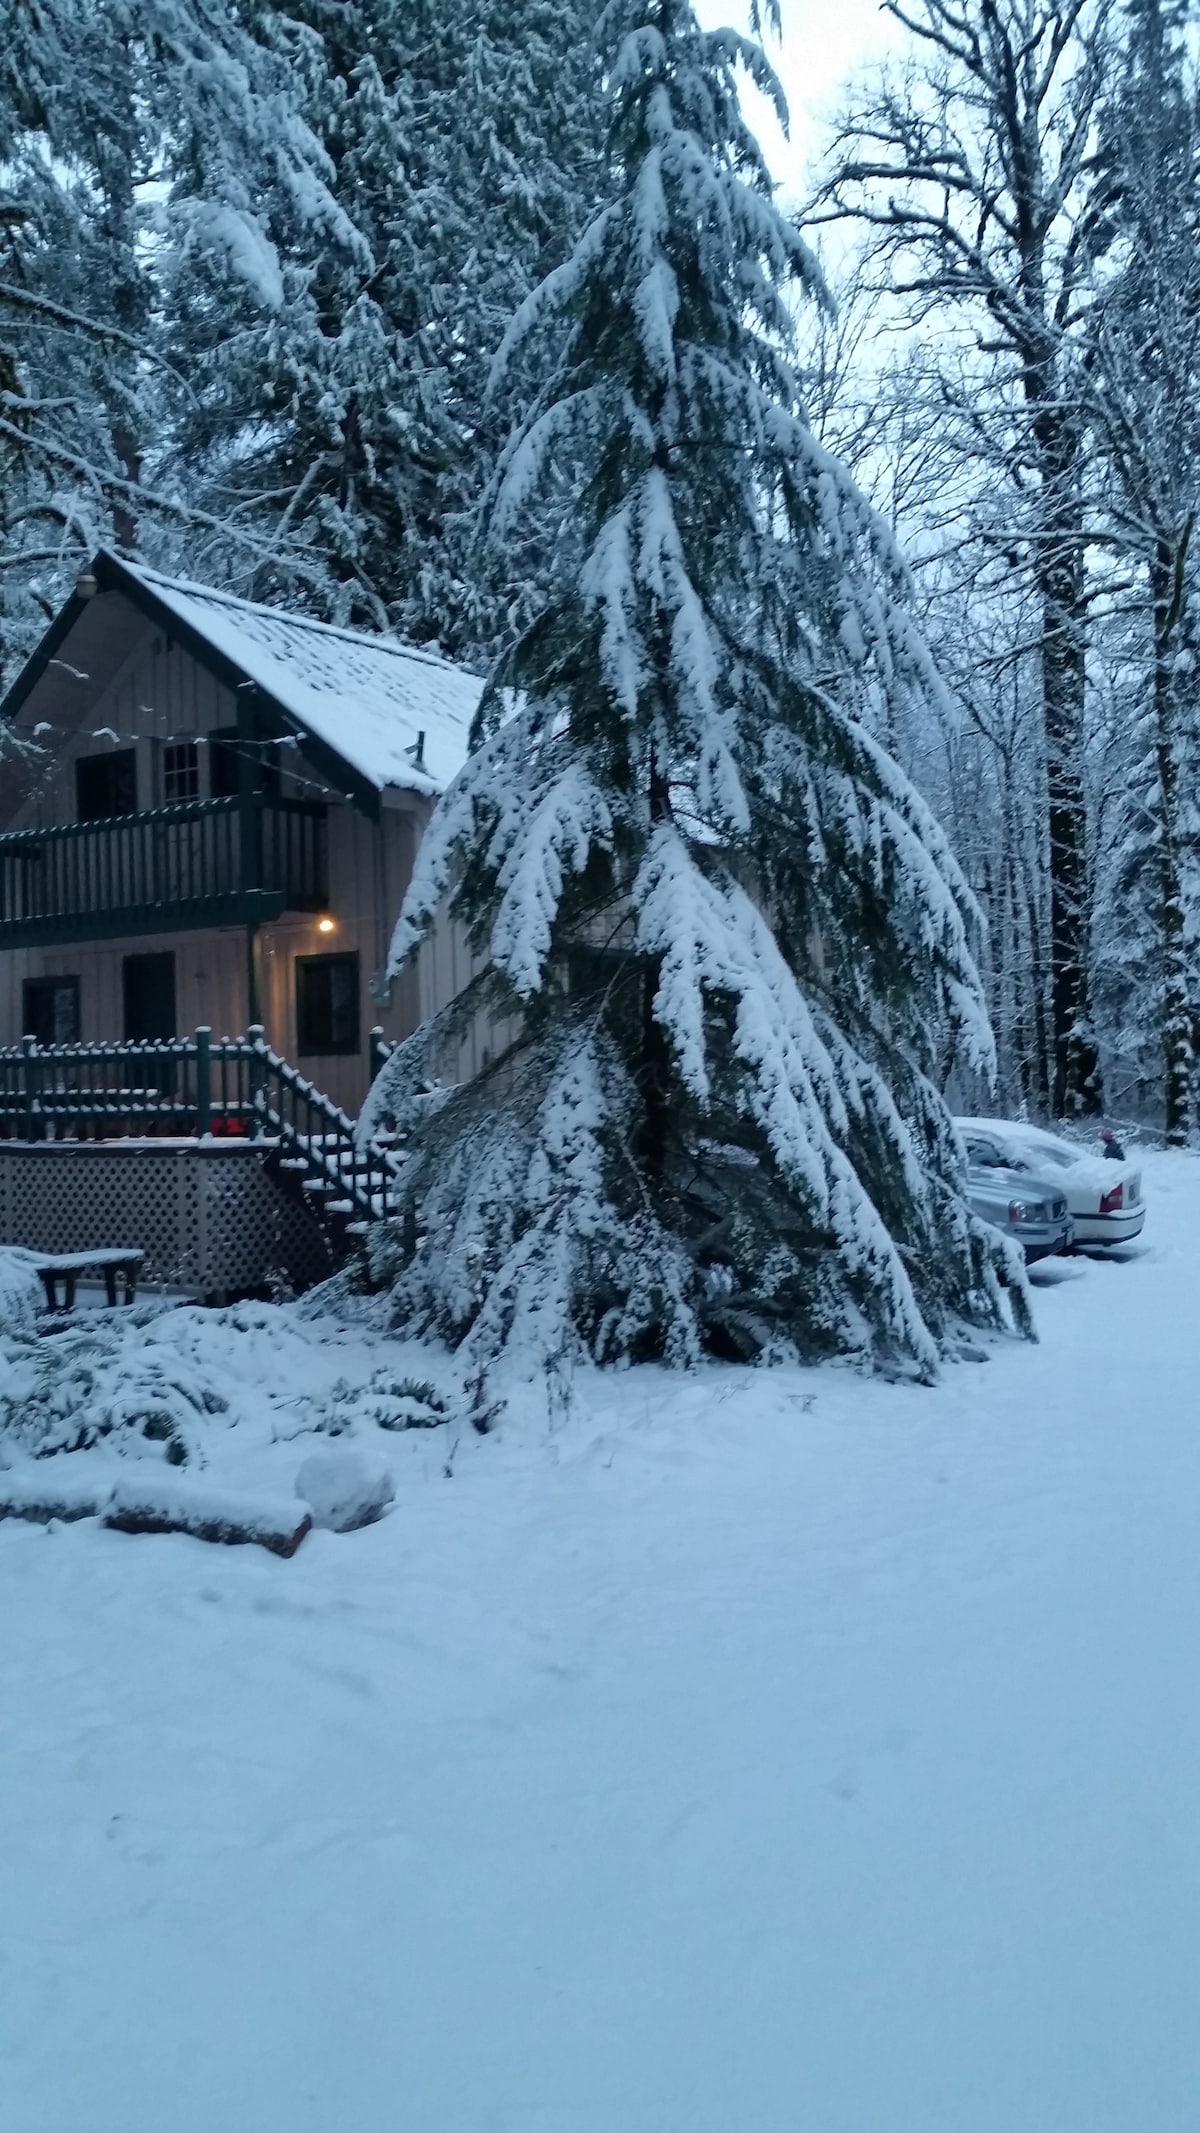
(318, 412)
(737, 944)
(345, 407)
(147, 145)
(69, 311)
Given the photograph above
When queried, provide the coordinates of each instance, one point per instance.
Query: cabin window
(181, 772)
(327, 1003)
(50, 1010)
(224, 757)
(106, 785)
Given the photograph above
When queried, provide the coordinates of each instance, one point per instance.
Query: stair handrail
(362, 1172)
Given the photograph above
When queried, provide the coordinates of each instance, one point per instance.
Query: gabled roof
(393, 715)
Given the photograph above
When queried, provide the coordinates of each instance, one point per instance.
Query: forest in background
(257, 263)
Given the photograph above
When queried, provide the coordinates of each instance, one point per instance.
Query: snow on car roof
(1015, 1129)
(1091, 1163)
(370, 698)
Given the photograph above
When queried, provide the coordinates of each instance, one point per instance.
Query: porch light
(327, 924)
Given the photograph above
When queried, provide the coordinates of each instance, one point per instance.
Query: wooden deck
(215, 1143)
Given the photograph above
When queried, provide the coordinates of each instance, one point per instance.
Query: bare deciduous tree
(972, 172)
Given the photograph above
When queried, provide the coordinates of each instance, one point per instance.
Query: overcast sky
(824, 42)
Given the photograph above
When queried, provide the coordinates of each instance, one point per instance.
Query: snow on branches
(741, 948)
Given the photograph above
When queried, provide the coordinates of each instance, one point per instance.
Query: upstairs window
(327, 1018)
(181, 772)
(106, 785)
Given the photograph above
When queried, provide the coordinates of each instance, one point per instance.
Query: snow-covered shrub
(386, 1400)
(734, 942)
(21, 1294)
(90, 1384)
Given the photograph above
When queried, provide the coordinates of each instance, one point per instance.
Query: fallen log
(158, 1503)
(42, 1497)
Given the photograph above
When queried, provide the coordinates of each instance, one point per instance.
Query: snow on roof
(370, 698)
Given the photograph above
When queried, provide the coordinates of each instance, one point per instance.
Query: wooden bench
(64, 1269)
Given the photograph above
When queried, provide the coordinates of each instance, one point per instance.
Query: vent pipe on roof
(86, 587)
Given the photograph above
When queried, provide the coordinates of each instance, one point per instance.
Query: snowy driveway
(724, 1763)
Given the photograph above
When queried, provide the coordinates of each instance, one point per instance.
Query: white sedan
(1104, 1195)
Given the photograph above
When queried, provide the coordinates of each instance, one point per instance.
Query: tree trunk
(1059, 572)
(1037, 994)
(654, 1074)
(121, 228)
(1165, 576)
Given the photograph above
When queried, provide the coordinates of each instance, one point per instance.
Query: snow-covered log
(48, 1493)
(158, 1503)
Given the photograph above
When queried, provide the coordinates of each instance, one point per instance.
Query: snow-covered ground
(746, 1754)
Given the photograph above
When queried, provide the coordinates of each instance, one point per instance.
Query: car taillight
(1111, 1201)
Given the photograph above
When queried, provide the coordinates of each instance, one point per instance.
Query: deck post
(249, 786)
(256, 1037)
(253, 977)
(32, 1079)
(250, 835)
(203, 1042)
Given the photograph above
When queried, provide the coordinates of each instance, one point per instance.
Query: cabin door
(149, 988)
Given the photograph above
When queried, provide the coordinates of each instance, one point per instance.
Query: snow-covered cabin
(216, 823)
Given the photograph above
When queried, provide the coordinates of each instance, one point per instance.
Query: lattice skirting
(209, 1218)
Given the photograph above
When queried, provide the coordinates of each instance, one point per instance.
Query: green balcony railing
(200, 863)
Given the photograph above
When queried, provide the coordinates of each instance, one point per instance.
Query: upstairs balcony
(168, 869)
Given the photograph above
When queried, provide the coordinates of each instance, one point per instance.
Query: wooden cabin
(213, 821)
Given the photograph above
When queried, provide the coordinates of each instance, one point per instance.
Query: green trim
(30, 841)
(260, 908)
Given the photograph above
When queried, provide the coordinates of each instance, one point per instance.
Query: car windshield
(985, 1157)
